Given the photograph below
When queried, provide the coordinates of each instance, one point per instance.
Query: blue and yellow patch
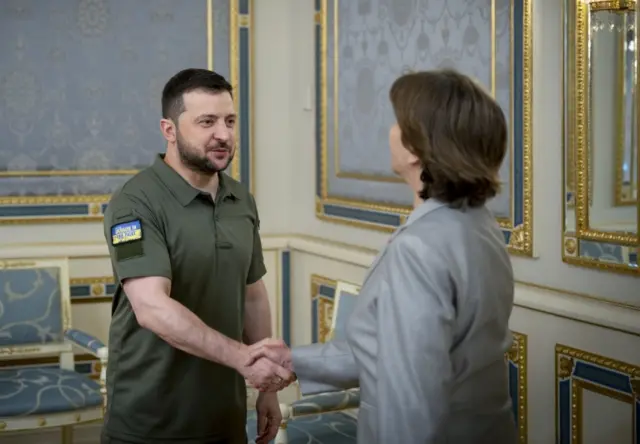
(126, 232)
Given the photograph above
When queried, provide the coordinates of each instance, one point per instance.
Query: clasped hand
(269, 367)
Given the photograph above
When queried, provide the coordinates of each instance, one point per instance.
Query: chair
(35, 323)
(344, 303)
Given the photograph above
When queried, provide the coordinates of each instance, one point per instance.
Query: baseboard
(82, 434)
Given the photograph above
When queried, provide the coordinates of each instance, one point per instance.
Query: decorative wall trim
(517, 362)
(577, 371)
(366, 213)
(581, 307)
(241, 21)
(92, 289)
(323, 291)
(90, 208)
(284, 290)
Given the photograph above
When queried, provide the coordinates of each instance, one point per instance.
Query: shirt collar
(181, 189)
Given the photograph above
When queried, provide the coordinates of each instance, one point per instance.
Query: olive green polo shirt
(159, 225)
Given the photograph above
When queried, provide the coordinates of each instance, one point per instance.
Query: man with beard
(186, 252)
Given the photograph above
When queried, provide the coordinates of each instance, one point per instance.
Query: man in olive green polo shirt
(186, 252)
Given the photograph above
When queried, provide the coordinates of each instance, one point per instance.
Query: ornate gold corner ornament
(565, 368)
(570, 246)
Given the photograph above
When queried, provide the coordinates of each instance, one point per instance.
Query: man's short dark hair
(456, 129)
(188, 80)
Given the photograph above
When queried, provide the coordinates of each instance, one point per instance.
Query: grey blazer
(427, 338)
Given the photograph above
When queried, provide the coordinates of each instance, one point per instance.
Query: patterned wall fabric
(80, 89)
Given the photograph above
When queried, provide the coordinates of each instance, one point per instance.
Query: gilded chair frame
(287, 409)
(64, 349)
(578, 161)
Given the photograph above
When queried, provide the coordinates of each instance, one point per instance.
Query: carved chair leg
(67, 435)
(282, 437)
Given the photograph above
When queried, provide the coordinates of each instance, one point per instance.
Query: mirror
(601, 214)
(626, 185)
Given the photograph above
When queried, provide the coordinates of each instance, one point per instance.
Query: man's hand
(262, 373)
(269, 417)
(274, 350)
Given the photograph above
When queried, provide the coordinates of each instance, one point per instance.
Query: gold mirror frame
(577, 161)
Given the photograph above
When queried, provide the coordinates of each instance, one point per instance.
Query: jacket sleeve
(327, 367)
(415, 327)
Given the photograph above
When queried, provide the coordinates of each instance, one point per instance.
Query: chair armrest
(87, 342)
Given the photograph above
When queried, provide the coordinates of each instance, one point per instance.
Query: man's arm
(177, 325)
(257, 313)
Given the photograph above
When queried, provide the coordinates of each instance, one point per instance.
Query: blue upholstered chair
(35, 322)
(345, 301)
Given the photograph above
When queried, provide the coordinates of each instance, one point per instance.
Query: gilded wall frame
(90, 208)
(582, 245)
(577, 372)
(517, 228)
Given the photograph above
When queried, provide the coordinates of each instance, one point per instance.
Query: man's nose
(223, 132)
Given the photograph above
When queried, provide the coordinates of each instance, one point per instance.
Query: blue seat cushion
(40, 390)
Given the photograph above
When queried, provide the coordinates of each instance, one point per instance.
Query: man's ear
(169, 130)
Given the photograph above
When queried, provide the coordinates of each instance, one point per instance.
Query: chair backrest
(344, 303)
(35, 307)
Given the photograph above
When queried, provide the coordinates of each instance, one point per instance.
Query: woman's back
(471, 242)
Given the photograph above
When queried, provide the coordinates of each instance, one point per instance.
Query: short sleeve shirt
(159, 225)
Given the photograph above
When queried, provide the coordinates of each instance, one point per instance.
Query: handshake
(267, 365)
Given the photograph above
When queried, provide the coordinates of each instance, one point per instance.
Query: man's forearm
(183, 330)
(257, 319)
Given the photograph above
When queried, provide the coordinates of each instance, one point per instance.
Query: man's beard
(192, 160)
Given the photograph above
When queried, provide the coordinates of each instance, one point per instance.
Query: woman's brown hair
(456, 129)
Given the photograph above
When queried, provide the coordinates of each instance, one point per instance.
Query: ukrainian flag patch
(126, 232)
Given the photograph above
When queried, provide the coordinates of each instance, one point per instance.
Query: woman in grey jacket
(427, 338)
